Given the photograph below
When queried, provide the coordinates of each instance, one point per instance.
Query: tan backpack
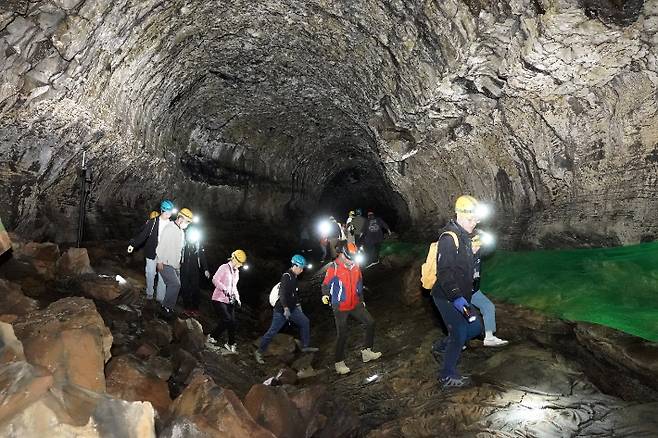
(428, 269)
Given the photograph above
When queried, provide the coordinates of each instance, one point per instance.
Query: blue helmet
(298, 260)
(166, 205)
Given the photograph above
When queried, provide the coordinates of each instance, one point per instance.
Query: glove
(325, 299)
(130, 249)
(207, 274)
(286, 312)
(460, 303)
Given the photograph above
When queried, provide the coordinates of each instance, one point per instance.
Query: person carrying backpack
(373, 236)
(149, 236)
(453, 289)
(343, 289)
(287, 308)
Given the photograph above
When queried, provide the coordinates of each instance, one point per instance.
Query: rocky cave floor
(555, 379)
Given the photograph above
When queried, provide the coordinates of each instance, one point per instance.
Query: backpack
(373, 226)
(428, 269)
(274, 293)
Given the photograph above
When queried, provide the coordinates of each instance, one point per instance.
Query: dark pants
(361, 314)
(171, 279)
(459, 331)
(372, 251)
(227, 321)
(189, 288)
(278, 321)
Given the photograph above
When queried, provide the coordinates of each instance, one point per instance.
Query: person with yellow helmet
(225, 297)
(453, 288)
(148, 237)
(169, 253)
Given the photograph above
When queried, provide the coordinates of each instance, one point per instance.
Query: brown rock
(146, 350)
(189, 333)
(216, 411)
(10, 347)
(75, 261)
(310, 401)
(158, 332)
(20, 385)
(184, 363)
(281, 345)
(183, 427)
(160, 366)
(129, 379)
(13, 301)
(271, 407)
(102, 288)
(69, 339)
(43, 256)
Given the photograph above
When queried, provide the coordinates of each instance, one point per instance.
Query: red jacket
(344, 285)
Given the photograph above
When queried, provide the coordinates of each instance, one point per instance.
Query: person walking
(453, 289)
(482, 302)
(148, 237)
(342, 288)
(168, 256)
(225, 297)
(288, 308)
(194, 263)
(373, 236)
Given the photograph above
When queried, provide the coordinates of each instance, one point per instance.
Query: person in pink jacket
(225, 297)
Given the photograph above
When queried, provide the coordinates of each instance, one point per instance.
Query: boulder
(282, 345)
(184, 363)
(157, 332)
(146, 350)
(183, 427)
(12, 300)
(189, 334)
(129, 379)
(105, 288)
(160, 366)
(69, 339)
(310, 402)
(31, 405)
(43, 256)
(75, 261)
(272, 408)
(216, 411)
(11, 348)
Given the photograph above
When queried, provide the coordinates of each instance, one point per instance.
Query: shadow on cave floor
(525, 389)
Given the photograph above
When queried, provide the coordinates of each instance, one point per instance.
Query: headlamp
(324, 228)
(245, 267)
(487, 239)
(482, 211)
(174, 211)
(359, 258)
(196, 219)
(194, 236)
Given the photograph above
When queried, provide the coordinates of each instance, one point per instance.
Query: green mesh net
(616, 287)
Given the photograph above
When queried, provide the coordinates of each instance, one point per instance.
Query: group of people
(174, 259)
(365, 232)
(175, 256)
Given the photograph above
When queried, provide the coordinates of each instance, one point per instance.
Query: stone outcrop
(75, 261)
(129, 379)
(69, 339)
(12, 300)
(215, 411)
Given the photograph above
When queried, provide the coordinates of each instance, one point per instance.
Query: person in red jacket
(343, 289)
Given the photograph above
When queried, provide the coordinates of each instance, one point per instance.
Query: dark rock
(11, 349)
(157, 332)
(272, 408)
(13, 301)
(189, 333)
(160, 366)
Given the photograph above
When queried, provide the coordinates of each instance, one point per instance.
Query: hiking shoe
(232, 348)
(367, 355)
(341, 368)
(453, 382)
(494, 342)
(310, 349)
(259, 357)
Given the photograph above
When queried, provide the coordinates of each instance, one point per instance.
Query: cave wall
(235, 108)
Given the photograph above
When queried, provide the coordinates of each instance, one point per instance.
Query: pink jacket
(226, 284)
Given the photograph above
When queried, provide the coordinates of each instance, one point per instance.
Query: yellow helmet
(352, 213)
(466, 205)
(186, 213)
(239, 256)
(153, 214)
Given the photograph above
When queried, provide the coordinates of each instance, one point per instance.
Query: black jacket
(455, 266)
(194, 258)
(147, 236)
(373, 232)
(287, 292)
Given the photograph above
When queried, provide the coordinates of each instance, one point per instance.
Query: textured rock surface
(13, 301)
(70, 340)
(75, 261)
(546, 107)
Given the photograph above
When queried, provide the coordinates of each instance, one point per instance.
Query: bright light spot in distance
(309, 266)
(195, 235)
(324, 228)
(196, 219)
(487, 239)
(120, 279)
